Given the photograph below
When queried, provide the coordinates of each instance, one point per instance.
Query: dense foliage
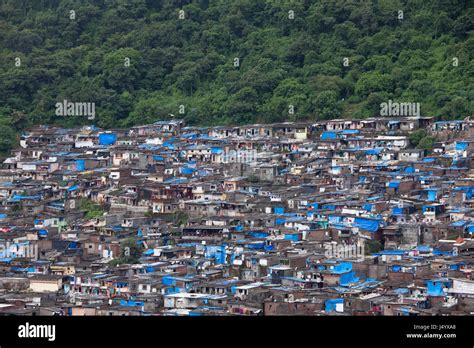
(130, 252)
(93, 210)
(81, 56)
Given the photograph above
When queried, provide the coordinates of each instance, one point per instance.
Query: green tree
(374, 82)
(416, 136)
(7, 137)
(426, 143)
(131, 252)
(282, 61)
(180, 218)
(326, 105)
(373, 246)
(93, 211)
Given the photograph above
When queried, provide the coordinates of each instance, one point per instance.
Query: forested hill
(231, 61)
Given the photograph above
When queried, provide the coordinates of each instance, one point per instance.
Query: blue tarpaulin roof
(80, 165)
(328, 135)
(107, 138)
(72, 188)
(371, 225)
(432, 195)
(350, 131)
(461, 145)
(397, 211)
(187, 170)
(216, 150)
(394, 184)
(373, 151)
(20, 198)
(423, 248)
(458, 223)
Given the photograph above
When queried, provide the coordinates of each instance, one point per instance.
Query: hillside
(138, 61)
